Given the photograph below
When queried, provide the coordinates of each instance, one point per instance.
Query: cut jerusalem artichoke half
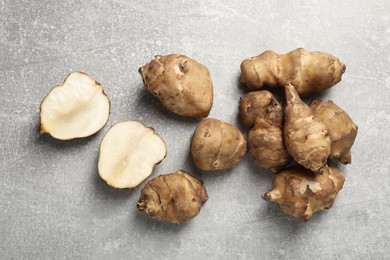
(77, 108)
(128, 153)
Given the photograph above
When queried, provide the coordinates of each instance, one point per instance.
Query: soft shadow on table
(240, 124)
(203, 175)
(46, 139)
(146, 102)
(242, 87)
(145, 222)
(105, 192)
(271, 215)
(336, 164)
(268, 214)
(278, 92)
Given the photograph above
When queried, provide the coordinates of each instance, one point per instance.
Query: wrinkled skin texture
(342, 130)
(181, 84)
(300, 192)
(265, 140)
(217, 145)
(306, 137)
(309, 72)
(258, 102)
(175, 197)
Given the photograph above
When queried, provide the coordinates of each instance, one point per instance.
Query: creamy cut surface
(75, 109)
(128, 153)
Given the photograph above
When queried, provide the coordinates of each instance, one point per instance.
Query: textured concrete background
(54, 206)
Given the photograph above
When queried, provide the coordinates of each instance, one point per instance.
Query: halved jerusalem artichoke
(342, 130)
(77, 108)
(128, 153)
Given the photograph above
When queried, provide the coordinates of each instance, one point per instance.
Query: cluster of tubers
(298, 134)
(309, 134)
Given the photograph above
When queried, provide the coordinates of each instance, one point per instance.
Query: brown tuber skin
(175, 197)
(217, 145)
(342, 130)
(259, 102)
(181, 84)
(265, 140)
(306, 137)
(309, 72)
(300, 193)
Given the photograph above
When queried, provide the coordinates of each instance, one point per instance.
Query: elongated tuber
(181, 84)
(265, 139)
(309, 72)
(306, 137)
(77, 108)
(217, 145)
(174, 197)
(300, 193)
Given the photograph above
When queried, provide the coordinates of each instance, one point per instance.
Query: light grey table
(53, 204)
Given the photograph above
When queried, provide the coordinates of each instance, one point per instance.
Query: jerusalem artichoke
(306, 137)
(217, 145)
(181, 84)
(77, 108)
(174, 197)
(309, 72)
(342, 130)
(300, 193)
(265, 139)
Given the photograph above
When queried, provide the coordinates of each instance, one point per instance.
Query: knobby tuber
(342, 130)
(181, 84)
(306, 137)
(174, 197)
(257, 103)
(300, 192)
(77, 108)
(266, 145)
(309, 72)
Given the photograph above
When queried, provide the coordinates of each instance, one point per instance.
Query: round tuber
(309, 72)
(217, 145)
(175, 197)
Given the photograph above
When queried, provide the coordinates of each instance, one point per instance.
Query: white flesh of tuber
(128, 153)
(77, 108)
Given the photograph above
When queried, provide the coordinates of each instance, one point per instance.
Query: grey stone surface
(54, 206)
